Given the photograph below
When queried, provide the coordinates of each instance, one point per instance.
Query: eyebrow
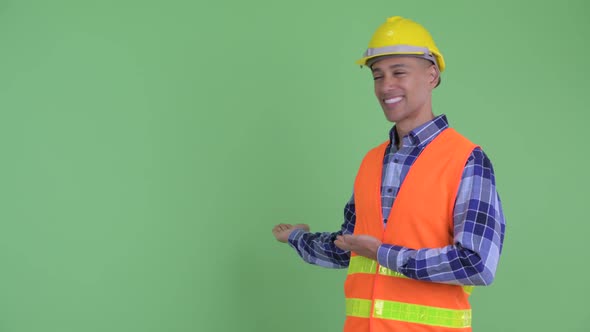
(397, 65)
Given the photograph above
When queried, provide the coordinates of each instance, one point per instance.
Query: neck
(403, 128)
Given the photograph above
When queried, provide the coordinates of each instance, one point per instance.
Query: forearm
(319, 249)
(450, 264)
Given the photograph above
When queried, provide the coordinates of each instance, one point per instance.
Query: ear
(433, 76)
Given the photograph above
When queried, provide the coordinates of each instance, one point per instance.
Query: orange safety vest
(379, 299)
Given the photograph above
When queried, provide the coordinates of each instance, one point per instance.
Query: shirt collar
(423, 134)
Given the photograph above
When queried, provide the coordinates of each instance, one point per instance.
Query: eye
(399, 73)
(375, 78)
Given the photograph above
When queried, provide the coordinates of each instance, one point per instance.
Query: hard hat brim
(430, 55)
(363, 61)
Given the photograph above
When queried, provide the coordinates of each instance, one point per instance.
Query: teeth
(393, 100)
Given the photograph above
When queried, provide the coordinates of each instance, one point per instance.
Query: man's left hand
(364, 245)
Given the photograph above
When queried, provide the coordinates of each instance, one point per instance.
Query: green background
(148, 148)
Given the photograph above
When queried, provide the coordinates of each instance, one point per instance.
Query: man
(425, 222)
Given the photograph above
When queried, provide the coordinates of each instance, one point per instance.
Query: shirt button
(389, 190)
(395, 160)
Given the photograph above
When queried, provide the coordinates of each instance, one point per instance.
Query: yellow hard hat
(401, 36)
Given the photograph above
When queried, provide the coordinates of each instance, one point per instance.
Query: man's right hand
(282, 231)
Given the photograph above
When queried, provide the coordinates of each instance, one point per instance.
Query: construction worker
(425, 223)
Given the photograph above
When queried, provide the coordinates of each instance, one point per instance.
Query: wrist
(376, 248)
(389, 256)
(295, 235)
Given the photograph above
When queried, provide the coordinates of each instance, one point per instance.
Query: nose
(388, 83)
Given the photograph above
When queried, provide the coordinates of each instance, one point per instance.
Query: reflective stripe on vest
(411, 313)
(361, 264)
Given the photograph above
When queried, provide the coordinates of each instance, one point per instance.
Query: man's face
(403, 86)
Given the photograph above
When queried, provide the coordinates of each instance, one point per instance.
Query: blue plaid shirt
(478, 220)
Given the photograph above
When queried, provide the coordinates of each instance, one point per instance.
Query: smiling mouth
(392, 100)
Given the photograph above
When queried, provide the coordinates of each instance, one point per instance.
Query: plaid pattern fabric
(478, 221)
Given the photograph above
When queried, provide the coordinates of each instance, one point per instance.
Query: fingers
(346, 242)
(281, 228)
(347, 238)
(341, 243)
(285, 227)
(281, 232)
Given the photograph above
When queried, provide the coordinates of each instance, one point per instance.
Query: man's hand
(282, 231)
(364, 245)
